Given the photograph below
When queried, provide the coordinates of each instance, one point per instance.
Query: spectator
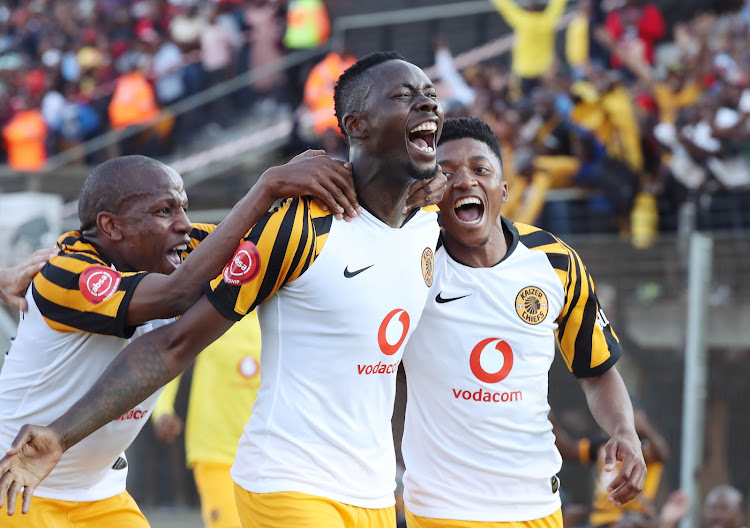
(534, 44)
(723, 508)
(166, 69)
(307, 24)
(25, 138)
(634, 29)
(218, 49)
(262, 17)
(318, 95)
(134, 104)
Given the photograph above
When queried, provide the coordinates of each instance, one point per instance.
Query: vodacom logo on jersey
(491, 361)
(391, 335)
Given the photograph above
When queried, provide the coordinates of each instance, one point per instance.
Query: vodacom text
(482, 395)
(379, 368)
(133, 414)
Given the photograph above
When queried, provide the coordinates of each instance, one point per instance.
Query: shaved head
(113, 183)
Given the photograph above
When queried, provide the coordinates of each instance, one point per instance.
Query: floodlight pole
(694, 385)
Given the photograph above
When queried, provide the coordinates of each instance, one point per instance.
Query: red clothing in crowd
(645, 23)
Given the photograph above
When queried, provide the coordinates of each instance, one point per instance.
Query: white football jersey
(477, 444)
(60, 350)
(337, 301)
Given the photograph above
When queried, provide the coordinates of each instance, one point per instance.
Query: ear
(505, 191)
(355, 125)
(108, 225)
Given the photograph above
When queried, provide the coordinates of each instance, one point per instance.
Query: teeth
(427, 149)
(432, 127)
(180, 248)
(467, 201)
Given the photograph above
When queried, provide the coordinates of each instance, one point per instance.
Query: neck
(381, 189)
(106, 251)
(485, 255)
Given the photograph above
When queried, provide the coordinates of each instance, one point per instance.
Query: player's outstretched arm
(309, 174)
(146, 364)
(16, 280)
(610, 405)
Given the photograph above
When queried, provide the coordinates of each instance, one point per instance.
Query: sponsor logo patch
(475, 360)
(248, 367)
(244, 266)
(428, 263)
(532, 305)
(391, 334)
(98, 283)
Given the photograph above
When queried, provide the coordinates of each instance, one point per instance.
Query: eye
(482, 170)
(431, 95)
(404, 95)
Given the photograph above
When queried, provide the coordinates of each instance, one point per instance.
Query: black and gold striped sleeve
(78, 292)
(587, 341)
(276, 251)
(198, 234)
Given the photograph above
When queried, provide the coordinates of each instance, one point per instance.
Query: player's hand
(629, 480)
(32, 455)
(168, 427)
(426, 192)
(15, 281)
(312, 173)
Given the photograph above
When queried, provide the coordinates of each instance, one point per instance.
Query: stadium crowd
(659, 124)
(72, 69)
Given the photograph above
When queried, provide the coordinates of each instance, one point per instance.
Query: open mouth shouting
(422, 137)
(174, 255)
(469, 210)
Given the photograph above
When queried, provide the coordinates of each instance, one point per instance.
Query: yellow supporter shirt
(534, 46)
(577, 41)
(226, 378)
(670, 102)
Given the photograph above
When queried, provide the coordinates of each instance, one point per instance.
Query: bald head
(113, 183)
(723, 508)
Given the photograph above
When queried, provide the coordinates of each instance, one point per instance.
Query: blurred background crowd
(626, 118)
(640, 121)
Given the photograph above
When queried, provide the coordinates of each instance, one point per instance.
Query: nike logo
(349, 274)
(440, 299)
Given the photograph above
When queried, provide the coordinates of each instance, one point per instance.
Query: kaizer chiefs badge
(531, 305)
(428, 264)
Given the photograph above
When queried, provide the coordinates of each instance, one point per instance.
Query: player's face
(154, 224)
(405, 117)
(474, 194)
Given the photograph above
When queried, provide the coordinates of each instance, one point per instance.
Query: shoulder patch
(532, 305)
(98, 283)
(428, 266)
(244, 266)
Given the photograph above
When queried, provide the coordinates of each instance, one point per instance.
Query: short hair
(732, 494)
(474, 128)
(110, 185)
(351, 87)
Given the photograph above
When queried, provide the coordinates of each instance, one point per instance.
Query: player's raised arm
(309, 174)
